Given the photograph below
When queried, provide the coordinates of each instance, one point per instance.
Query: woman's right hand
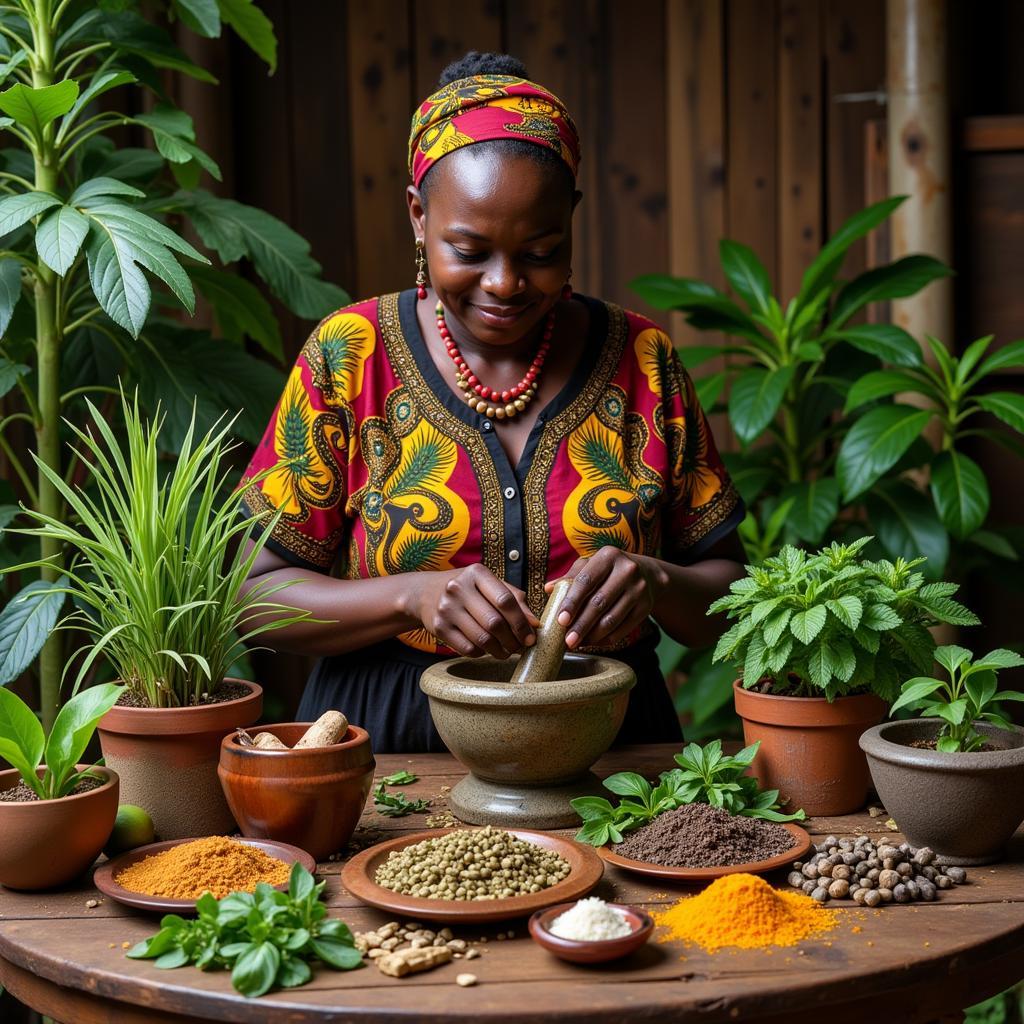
(473, 612)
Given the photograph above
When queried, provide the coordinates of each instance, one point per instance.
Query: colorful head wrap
(487, 107)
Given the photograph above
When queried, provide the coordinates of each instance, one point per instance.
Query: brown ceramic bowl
(308, 798)
(45, 843)
(593, 952)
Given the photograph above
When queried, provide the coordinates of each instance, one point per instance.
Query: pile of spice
(870, 874)
(591, 920)
(217, 865)
(701, 836)
(471, 864)
(745, 911)
(402, 949)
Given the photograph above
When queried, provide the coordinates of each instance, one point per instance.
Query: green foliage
(821, 397)
(25, 624)
(266, 939)
(158, 572)
(24, 744)
(968, 696)
(705, 776)
(833, 623)
(396, 805)
(402, 778)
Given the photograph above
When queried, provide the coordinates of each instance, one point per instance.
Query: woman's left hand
(612, 593)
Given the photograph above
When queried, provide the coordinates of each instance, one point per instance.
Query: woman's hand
(473, 612)
(612, 593)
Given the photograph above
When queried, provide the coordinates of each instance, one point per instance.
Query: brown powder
(699, 836)
(217, 865)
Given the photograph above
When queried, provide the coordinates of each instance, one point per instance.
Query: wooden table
(921, 962)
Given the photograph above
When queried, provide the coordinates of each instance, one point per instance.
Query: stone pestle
(543, 660)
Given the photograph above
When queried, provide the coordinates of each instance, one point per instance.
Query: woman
(452, 450)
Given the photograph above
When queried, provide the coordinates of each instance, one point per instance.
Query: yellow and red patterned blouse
(379, 468)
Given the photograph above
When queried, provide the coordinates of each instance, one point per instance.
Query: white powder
(591, 920)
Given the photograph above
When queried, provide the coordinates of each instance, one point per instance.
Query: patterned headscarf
(486, 107)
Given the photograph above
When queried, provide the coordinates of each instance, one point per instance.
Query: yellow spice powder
(745, 911)
(217, 865)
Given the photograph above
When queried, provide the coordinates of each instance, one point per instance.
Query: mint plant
(831, 623)
(971, 694)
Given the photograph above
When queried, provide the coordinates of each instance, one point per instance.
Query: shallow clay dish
(757, 867)
(585, 871)
(103, 878)
(595, 951)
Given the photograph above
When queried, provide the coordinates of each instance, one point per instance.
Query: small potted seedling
(953, 778)
(54, 816)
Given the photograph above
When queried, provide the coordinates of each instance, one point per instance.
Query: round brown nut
(820, 894)
(841, 871)
(900, 894)
(810, 870)
(958, 874)
(809, 886)
(871, 898)
(796, 879)
(905, 868)
(943, 882)
(885, 894)
(924, 856)
(825, 869)
(839, 889)
(913, 889)
(928, 891)
(888, 879)
(859, 895)
(874, 873)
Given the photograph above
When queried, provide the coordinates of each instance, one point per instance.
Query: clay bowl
(50, 842)
(593, 952)
(311, 798)
(528, 746)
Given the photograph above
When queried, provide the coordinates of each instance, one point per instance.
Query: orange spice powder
(217, 865)
(744, 911)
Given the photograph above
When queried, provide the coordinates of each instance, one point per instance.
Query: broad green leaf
(806, 625)
(10, 293)
(591, 808)
(848, 609)
(947, 745)
(301, 883)
(21, 736)
(951, 656)
(874, 443)
(814, 509)
(25, 625)
(971, 357)
(882, 384)
(890, 343)
(628, 784)
(36, 108)
(709, 388)
(692, 356)
(175, 139)
(881, 617)
(1009, 407)
(775, 626)
(19, 209)
(1002, 359)
(960, 491)
(102, 186)
(981, 689)
(101, 83)
(240, 309)
(914, 690)
(341, 955)
(754, 661)
(74, 726)
(820, 664)
(746, 274)
(293, 970)
(254, 972)
(905, 522)
(253, 27)
(954, 712)
(119, 285)
(59, 237)
(755, 398)
(131, 164)
(894, 281)
(202, 16)
(999, 658)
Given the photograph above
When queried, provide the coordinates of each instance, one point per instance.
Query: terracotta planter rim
(231, 746)
(111, 780)
(755, 694)
(192, 718)
(875, 742)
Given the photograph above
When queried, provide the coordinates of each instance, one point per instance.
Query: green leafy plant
(158, 574)
(402, 778)
(832, 623)
(93, 264)
(24, 744)
(396, 805)
(266, 938)
(970, 695)
(705, 776)
(815, 391)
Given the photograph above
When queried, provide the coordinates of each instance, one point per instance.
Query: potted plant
(157, 579)
(954, 778)
(822, 642)
(54, 817)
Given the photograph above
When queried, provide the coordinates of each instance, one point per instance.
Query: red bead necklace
(490, 402)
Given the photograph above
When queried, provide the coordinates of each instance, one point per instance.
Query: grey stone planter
(964, 806)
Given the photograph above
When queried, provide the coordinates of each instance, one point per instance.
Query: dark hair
(477, 63)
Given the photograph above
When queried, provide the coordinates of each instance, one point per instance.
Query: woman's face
(498, 237)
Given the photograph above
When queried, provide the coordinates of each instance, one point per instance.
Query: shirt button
(488, 426)
(513, 555)
(510, 493)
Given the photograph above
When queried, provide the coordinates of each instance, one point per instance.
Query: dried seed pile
(872, 874)
(701, 836)
(401, 949)
(471, 864)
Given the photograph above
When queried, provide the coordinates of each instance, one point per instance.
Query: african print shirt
(379, 468)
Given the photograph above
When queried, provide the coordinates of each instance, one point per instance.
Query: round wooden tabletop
(912, 963)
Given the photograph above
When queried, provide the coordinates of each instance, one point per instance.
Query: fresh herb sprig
(266, 938)
(396, 805)
(402, 778)
(705, 775)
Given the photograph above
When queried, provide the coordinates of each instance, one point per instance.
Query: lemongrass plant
(158, 560)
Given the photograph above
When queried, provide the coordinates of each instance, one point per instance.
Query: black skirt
(378, 688)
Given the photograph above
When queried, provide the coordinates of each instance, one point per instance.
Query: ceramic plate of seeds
(169, 877)
(472, 874)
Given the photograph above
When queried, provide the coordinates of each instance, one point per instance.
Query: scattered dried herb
(396, 805)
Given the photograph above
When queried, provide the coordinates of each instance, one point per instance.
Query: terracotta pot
(964, 806)
(809, 749)
(49, 842)
(167, 760)
(311, 799)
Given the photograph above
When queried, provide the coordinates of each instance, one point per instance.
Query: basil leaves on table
(266, 938)
(397, 805)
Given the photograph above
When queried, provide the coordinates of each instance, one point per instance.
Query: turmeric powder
(745, 911)
(217, 865)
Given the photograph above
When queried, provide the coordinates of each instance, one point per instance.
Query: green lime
(132, 827)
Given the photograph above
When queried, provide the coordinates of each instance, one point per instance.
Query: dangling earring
(421, 270)
(567, 290)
